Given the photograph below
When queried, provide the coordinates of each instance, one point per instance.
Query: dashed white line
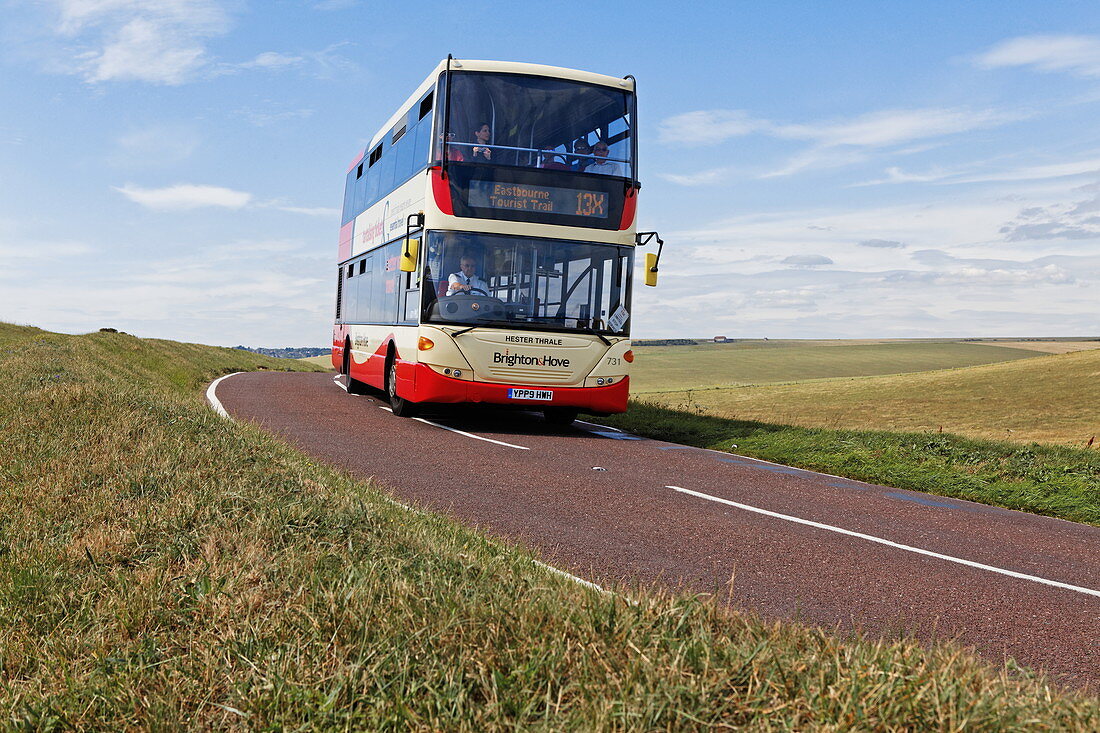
(888, 543)
(461, 432)
(602, 427)
(212, 395)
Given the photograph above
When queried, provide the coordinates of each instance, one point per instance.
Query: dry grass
(163, 568)
(1047, 399)
(324, 361)
(669, 368)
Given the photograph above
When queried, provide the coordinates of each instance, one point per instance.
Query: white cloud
(707, 127)
(1037, 172)
(702, 178)
(881, 244)
(894, 126)
(807, 260)
(834, 143)
(322, 211)
(185, 196)
(272, 60)
(155, 41)
(1078, 55)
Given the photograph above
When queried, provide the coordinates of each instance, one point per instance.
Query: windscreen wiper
(596, 333)
(462, 331)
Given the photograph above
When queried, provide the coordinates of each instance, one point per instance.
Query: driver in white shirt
(466, 280)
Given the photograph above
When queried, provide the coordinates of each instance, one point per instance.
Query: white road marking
(212, 395)
(602, 427)
(888, 543)
(461, 432)
(338, 383)
(574, 578)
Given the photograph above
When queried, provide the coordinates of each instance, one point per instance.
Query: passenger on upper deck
(453, 153)
(550, 161)
(583, 151)
(601, 165)
(481, 152)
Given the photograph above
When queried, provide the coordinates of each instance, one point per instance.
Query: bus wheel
(354, 385)
(400, 406)
(560, 417)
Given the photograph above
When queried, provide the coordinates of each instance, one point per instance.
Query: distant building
(720, 339)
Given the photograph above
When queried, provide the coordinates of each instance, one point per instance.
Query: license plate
(531, 394)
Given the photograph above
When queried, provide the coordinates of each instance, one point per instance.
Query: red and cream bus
(487, 243)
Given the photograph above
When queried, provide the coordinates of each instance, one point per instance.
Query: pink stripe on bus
(356, 162)
(345, 241)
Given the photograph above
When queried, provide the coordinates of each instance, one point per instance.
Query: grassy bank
(1047, 399)
(1057, 481)
(163, 568)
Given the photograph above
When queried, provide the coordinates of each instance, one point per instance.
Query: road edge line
(212, 395)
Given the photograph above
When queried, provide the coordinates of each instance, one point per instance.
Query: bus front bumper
(430, 386)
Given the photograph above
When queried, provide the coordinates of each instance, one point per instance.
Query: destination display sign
(538, 199)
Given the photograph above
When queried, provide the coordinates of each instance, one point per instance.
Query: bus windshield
(538, 122)
(521, 282)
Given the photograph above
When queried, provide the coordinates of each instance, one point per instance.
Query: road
(783, 542)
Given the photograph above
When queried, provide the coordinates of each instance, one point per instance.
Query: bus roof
(500, 67)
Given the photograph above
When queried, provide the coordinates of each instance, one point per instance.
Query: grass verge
(1057, 481)
(163, 568)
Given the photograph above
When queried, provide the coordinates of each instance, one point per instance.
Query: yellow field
(667, 368)
(1048, 399)
(325, 360)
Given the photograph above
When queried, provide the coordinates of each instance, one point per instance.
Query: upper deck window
(538, 122)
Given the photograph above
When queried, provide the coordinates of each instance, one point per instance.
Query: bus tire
(354, 385)
(560, 417)
(400, 406)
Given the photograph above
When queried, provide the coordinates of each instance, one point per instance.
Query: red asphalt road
(623, 522)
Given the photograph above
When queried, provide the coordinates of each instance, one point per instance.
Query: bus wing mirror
(412, 246)
(409, 255)
(652, 259)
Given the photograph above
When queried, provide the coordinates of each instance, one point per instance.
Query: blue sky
(173, 168)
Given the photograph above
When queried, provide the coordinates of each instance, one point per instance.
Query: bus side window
(423, 143)
(404, 152)
(366, 283)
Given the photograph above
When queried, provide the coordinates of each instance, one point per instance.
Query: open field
(1046, 399)
(324, 361)
(161, 567)
(669, 368)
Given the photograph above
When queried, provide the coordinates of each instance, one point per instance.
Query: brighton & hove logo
(510, 359)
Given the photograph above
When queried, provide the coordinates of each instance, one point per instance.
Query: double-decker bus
(487, 243)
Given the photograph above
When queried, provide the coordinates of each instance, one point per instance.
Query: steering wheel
(471, 291)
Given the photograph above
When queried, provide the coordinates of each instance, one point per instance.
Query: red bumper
(431, 386)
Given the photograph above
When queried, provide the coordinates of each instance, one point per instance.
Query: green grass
(1048, 399)
(672, 368)
(163, 568)
(1056, 481)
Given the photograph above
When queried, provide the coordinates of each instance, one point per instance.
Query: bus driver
(466, 280)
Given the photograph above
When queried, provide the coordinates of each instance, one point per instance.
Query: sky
(175, 168)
